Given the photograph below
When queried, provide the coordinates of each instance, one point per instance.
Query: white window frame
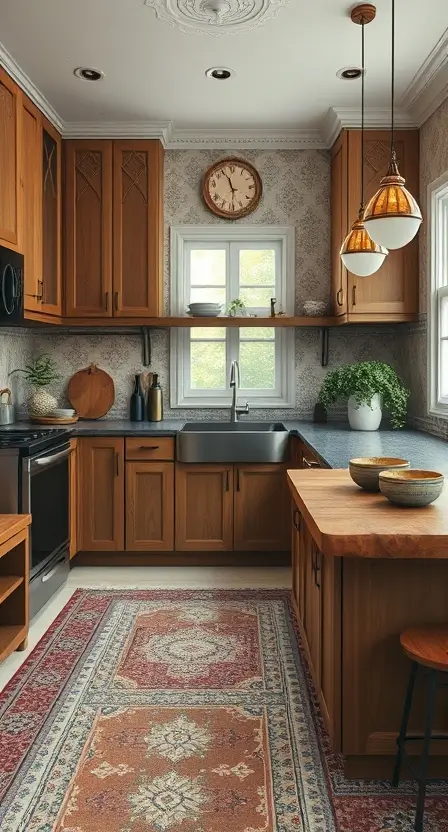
(437, 290)
(182, 239)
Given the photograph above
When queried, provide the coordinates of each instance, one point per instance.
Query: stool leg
(404, 725)
(425, 756)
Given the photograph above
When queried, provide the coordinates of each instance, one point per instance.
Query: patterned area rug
(187, 711)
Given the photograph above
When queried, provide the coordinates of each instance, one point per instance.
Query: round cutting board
(91, 392)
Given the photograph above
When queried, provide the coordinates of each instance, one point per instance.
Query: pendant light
(359, 253)
(392, 216)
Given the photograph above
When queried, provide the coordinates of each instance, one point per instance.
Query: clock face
(232, 188)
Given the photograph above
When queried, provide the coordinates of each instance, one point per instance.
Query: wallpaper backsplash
(296, 192)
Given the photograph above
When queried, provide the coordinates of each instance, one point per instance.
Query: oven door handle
(45, 461)
(50, 574)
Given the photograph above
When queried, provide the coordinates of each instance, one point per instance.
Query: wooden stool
(426, 648)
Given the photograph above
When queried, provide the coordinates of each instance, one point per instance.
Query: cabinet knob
(296, 519)
(340, 297)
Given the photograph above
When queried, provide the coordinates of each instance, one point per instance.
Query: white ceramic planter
(364, 416)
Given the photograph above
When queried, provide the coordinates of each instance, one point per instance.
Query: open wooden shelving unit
(14, 579)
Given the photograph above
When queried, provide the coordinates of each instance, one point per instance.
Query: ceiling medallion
(215, 17)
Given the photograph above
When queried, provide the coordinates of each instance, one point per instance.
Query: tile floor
(144, 577)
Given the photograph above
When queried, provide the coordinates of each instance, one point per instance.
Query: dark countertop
(334, 442)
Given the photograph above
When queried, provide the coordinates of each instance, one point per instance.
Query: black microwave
(11, 287)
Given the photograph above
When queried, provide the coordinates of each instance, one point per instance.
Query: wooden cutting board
(91, 392)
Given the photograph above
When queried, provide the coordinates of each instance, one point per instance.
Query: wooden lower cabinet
(204, 508)
(101, 493)
(261, 508)
(150, 506)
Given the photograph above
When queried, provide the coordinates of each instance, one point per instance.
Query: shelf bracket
(324, 342)
(146, 345)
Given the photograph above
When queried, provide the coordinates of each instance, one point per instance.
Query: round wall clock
(231, 188)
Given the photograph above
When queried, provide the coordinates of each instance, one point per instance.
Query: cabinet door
(339, 224)
(313, 611)
(101, 493)
(10, 161)
(298, 565)
(261, 508)
(393, 289)
(204, 508)
(73, 497)
(150, 506)
(138, 227)
(51, 220)
(88, 222)
(32, 151)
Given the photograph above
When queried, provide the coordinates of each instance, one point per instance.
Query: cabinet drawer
(151, 447)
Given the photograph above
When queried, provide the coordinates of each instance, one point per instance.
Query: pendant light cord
(392, 106)
(362, 115)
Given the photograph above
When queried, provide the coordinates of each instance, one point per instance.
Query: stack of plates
(204, 310)
(63, 413)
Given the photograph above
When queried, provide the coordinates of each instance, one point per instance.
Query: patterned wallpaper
(296, 192)
(433, 163)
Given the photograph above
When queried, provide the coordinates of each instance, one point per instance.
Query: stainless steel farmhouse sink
(232, 442)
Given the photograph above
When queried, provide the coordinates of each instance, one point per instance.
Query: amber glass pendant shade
(359, 253)
(392, 216)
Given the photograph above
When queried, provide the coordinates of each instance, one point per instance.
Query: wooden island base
(353, 607)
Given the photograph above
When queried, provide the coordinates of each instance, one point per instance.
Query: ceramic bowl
(366, 470)
(204, 310)
(411, 487)
(314, 307)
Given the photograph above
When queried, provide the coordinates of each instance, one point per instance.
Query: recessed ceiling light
(87, 73)
(220, 73)
(350, 73)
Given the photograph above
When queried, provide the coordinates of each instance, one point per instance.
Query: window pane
(444, 317)
(443, 393)
(257, 365)
(206, 333)
(257, 297)
(203, 295)
(208, 267)
(208, 365)
(257, 267)
(256, 333)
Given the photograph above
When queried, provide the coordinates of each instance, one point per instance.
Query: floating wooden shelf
(168, 322)
(8, 583)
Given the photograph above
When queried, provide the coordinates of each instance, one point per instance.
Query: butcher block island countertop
(364, 571)
(344, 520)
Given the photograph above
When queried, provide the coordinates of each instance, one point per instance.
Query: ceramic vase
(364, 416)
(41, 403)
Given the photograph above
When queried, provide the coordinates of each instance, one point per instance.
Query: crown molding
(429, 86)
(256, 138)
(161, 130)
(26, 84)
(338, 118)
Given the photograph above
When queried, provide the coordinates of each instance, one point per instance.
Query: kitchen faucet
(234, 384)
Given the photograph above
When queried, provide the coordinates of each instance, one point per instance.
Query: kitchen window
(438, 297)
(214, 264)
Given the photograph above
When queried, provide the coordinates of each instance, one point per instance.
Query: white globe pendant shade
(359, 253)
(392, 217)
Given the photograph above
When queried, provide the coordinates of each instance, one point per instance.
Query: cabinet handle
(107, 301)
(296, 519)
(149, 447)
(227, 485)
(340, 295)
(310, 463)
(116, 301)
(354, 296)
(117, 464)
(316, 566)
(40, 291)
(238, 479)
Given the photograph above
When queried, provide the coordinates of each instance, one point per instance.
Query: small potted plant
(237, 308)
(369, 386)
(40, 373)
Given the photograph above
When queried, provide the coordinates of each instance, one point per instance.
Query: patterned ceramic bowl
(365, 470)
(412, 487)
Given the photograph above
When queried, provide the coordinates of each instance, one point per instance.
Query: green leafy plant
(41, 372)
(362, 380)
(236, 307)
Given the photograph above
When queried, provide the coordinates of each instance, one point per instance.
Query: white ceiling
(285, 69)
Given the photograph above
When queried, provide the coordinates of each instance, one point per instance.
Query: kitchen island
(363, 571)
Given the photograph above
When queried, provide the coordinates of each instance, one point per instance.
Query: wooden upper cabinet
(32, 204)
(392, 292)
(261, 508)
(51, 167)
(88, 228)
(10, 162)
(150, 506)
(101, 493)
(204, 507)
(137, 227)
